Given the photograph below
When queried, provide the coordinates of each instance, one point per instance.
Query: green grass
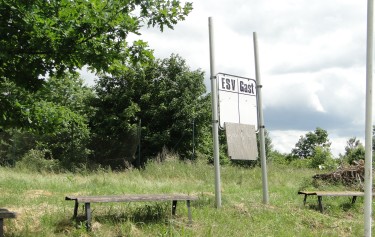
(39, 200)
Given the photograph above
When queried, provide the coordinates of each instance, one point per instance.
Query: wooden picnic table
(87, 200)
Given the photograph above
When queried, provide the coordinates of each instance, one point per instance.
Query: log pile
(349, 175)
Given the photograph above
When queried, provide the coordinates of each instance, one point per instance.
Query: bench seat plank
(132, 198)
(7, 214)
(332, 193)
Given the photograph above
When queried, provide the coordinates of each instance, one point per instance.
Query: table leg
(75, 213)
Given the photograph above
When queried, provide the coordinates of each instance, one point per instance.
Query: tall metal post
(193, 153)
(215, 119)
(261, 123)
(368, 126)
(139, 144)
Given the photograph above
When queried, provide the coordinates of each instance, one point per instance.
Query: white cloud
(286, 140)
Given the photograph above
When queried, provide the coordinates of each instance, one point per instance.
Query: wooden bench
(4, 213)
(129, 198)
(321, 194)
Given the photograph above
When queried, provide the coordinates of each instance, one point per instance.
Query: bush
(278, 158)
(320, 157)
(301, 163)
(35, 161)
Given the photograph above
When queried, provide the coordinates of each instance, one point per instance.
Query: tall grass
(39, 200)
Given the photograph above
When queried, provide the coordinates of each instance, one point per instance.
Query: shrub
(35, 161)
(321, 155)
(278, 158)
(301, 163)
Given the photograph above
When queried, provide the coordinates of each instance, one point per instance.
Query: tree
(175, 101)
(39, 37)
(305, 147)
(60, 118)
(54, 119)
(165, 95)
(321, 156)
(14, 105)
(354, 150)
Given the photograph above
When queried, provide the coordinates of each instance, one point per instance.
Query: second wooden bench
(321, 194)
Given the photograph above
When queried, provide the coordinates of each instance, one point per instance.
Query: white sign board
(237, 100)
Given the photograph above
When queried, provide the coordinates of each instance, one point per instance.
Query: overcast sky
(312, 60)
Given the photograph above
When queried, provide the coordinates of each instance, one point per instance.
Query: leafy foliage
(14, 143)
(35, 161)
(322, 156)
(39, 37)
(14, 105)
(305, 147)
(354, 150)
(55, 119)
(165, 96)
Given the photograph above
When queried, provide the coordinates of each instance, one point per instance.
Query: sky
(312, 58)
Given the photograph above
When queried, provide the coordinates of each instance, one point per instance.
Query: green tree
(322, 155)
(14, 105)
(54, 120)
(69, 91)
(60, 118)
(39, 37)
(305, 147)
(354, 150)
(165, 95)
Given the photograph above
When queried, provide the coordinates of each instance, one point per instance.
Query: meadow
(38, 198)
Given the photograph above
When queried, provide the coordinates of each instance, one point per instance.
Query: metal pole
(139, 144)
(215, 120)
(261, 123)
(193, 155)
(368, 126)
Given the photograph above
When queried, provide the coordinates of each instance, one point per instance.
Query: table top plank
(132, 198)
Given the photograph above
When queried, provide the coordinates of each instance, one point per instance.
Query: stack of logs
(349, 175)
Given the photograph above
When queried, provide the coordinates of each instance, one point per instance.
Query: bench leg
(174, 206)
(1, 227)
(75, 213)
(354, 199)
(88, 215)
(304, 200)
(320, 204)
(189, 211)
